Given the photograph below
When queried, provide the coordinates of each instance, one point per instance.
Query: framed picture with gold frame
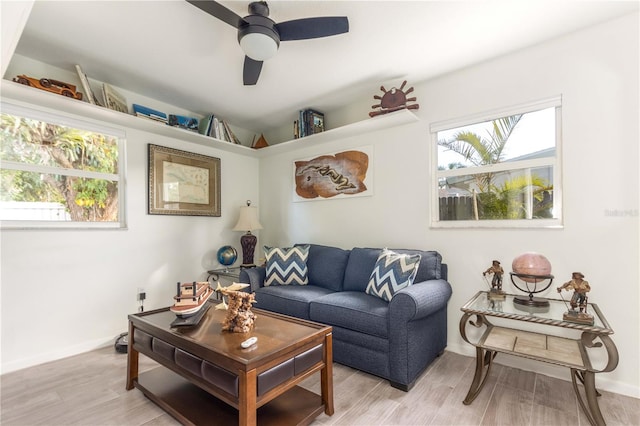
(183, 183)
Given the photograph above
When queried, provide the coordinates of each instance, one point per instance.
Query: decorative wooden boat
(190, 298)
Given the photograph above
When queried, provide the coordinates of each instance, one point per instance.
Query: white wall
(65, 292)
(596, 72)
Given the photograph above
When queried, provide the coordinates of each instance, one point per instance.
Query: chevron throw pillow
(286, 266)
(392, 273)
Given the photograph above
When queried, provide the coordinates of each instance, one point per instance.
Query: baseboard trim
(23, 363)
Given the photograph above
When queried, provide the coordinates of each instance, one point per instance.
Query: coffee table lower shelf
(191, 405)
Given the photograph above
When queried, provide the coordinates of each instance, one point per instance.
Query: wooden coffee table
(210, 379)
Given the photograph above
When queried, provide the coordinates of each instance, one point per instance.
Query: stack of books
(151, 114)
(217, 128)
(309, 123)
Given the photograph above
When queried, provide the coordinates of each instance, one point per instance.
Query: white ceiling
(176, 53)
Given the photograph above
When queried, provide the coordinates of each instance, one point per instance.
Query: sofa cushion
(352, 310)
(326, 266)
(391, 273)
(289, 300)
(362, 261)
(430, 264)
(286, 266)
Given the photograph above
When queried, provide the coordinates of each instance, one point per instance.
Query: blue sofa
(394, 340)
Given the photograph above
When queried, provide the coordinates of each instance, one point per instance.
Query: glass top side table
(566, 352)
(233, 273)
(552, 315)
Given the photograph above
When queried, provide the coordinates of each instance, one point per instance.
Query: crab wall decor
(393, 100)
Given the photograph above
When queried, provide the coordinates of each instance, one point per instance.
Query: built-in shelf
(380, 122)
(28, 96)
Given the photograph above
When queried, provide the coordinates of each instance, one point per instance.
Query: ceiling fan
(260, 37)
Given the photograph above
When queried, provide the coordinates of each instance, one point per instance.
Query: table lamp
(248, 221)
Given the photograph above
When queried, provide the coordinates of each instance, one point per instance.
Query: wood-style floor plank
(89, 389)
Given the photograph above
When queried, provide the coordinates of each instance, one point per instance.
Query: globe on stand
(227, 256)
(530, 271)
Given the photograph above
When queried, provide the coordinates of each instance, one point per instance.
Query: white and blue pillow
(392, 272)
(286, 266)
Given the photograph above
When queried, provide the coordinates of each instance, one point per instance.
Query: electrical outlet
(141, 295)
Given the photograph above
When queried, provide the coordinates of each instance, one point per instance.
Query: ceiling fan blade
(302, 29)
(217, 10)
(251, 71)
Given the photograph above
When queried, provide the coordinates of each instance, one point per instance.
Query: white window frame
(555, 162)
(77, 123)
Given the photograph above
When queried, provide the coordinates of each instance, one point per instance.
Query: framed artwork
(341, 175)
(182, 183)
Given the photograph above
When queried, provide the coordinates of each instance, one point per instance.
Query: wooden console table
(563, 351)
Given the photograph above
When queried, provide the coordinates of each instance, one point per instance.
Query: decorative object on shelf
(222, 292)
(327, 176)
(187, 123)
(91, 96)
(151, 114)
(50, 85)
(113, 99)
(578, 300)
(309, 123)
(227, 256)
(190, 298)
(393, 100)
(239, 317)
(260, 37)
(496, 292)
(531, 269)
(260, 143)
(247, 222)
(183, 183)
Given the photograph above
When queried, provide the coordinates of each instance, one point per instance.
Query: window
(57, 172)
(500, 169)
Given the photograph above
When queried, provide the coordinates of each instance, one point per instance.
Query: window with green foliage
(499, 169)
(59, 172)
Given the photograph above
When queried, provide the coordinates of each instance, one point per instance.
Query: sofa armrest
(418, 318)
(419, 300)
(254, 277)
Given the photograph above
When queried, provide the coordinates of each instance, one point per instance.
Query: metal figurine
(496, 292)
(578, 300)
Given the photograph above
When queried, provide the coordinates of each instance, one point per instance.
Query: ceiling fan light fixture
(259, 46)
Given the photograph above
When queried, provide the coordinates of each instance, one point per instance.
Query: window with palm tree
(503, 170)
(55, 172)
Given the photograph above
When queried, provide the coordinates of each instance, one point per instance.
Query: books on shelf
(152, 114)
(90, 96)
(309, 122)
(114, 100)
(231, 137)
(217, 128)
(188, 123)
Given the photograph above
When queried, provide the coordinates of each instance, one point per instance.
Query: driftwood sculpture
(239, 317)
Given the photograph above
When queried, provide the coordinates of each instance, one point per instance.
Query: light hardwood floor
(89, 389)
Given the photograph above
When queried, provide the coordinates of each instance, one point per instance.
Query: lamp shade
(259, 46)
(248, 220)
